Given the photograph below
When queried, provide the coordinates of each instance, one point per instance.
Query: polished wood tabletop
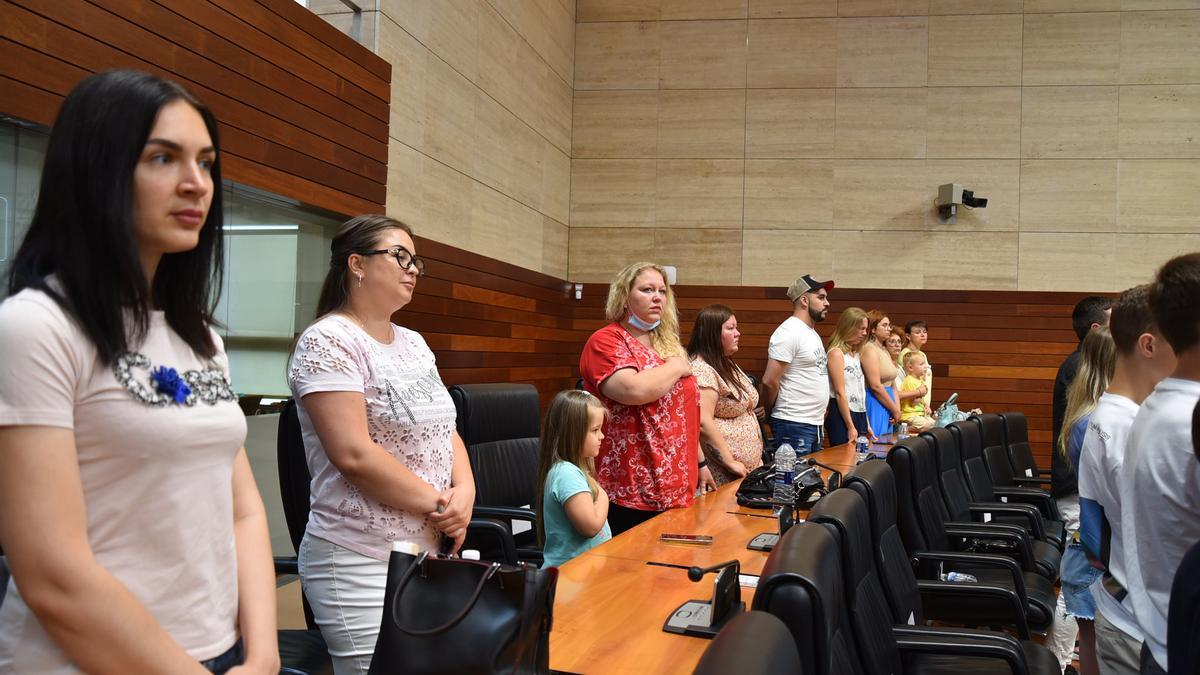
(612, 601)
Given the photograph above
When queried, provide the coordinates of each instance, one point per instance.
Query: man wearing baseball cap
(796, 383)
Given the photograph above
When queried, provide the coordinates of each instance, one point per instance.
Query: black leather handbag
(445, 615)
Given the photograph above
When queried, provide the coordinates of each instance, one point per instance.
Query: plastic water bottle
(785, 471)
(902, 432)
(959, 577)
(862, 449)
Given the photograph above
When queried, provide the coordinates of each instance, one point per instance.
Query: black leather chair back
(505, 471)
(752, 643)
(495, 411)
(294, 478)
(919, 505)
(949, 473)
(1016, 439)
(802, 585)
(870, 615)
(875, 483)
(995, 450)
(970, 447)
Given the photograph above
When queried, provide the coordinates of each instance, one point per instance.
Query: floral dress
(734, 414)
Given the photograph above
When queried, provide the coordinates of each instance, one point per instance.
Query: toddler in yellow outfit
(914, 411)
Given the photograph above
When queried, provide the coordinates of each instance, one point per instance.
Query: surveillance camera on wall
(951, 196)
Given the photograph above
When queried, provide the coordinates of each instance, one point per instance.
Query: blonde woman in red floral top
(650, 457)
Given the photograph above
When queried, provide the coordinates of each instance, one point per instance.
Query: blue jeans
(785, 431)
(234, 656)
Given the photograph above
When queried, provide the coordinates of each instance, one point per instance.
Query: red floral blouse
(647, 459)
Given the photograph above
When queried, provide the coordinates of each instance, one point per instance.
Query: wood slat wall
(303, 111)
(489, 321)
(999, 350)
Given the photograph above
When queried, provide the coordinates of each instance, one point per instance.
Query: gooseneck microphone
(697, 573)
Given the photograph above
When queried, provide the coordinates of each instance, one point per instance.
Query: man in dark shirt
(1090, 312)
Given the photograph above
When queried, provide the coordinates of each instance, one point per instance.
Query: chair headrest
(846, 511)
(876, 483)
(495, 411)
(751, 643)
(969, 442)
(992, 428)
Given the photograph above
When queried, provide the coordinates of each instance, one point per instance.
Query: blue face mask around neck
(637, 322)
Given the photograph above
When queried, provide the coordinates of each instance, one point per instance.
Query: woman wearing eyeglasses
(399, 472)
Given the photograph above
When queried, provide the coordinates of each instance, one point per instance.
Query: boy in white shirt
(1143, 359)
(1160, 479)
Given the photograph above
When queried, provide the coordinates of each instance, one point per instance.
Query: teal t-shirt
(563, 542)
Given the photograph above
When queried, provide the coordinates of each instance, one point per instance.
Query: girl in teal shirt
(574, 513)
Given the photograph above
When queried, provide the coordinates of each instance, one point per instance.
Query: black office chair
(300, 651)
(938, 544)
(1046, 537)
(870, 615)
(802, 586)
(752, 643)
(979, 481)
(1016, 441)
(995, 454)
(499, 423)
(913, 600)
(803, 583)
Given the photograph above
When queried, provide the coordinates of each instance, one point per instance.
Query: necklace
(362, 324)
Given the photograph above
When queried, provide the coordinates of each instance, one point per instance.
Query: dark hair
(1131, 317)
(82, 227)
(1196, 430)
(706, 343)
(359, 234)
(919, 323)
(1173, 300)
(1088, 311)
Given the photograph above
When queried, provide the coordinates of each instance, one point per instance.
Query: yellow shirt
(915, 406)
(928, 398)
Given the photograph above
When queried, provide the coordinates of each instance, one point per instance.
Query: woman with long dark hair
(130, 518)
(729, 430)
(387, 464)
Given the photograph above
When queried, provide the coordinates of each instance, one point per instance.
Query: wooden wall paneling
(314, 130)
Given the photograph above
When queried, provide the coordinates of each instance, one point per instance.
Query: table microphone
(696, 573)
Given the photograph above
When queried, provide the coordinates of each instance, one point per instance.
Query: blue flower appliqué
(168, 383)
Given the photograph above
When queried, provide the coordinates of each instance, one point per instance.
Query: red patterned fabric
(647, 459)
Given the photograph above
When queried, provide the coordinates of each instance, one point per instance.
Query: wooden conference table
(610, 603)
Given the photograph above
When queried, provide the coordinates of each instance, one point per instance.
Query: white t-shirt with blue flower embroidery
(155, 466)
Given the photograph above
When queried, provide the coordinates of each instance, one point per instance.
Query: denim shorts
(1077, 576)
(787, 431)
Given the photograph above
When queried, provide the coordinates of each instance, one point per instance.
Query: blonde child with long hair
(1096, 366)
(574, 508)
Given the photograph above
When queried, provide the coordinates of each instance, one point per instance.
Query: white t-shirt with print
(156, 474)
(409, 414)
(855, 382)
(1160, 504)
(1100, 460)
(804, 387)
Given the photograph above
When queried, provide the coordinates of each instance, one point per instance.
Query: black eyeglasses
(402, 255)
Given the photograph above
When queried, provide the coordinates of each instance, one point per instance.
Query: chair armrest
(957, 591)
(499, 530)
(1000, 531)
(287, 565)
(1031, 495)
(979, 560)
(1032, 480)
(504, 513)
(961, 642)
(1029, 512)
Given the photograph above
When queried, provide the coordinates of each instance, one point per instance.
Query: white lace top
(409, 413)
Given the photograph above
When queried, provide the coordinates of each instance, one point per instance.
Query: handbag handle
(454, 620)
